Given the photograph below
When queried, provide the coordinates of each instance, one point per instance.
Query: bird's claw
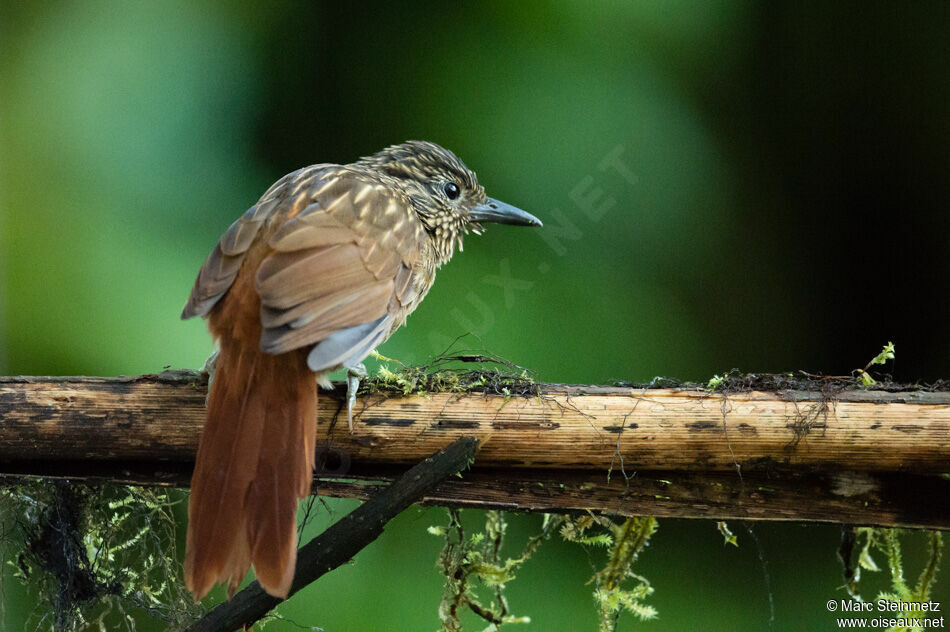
(353, 376)
(209, 368)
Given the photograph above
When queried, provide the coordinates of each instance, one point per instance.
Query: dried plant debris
(736, 381)
(95, 554)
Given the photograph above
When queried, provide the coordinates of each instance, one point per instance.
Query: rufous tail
(255, 460)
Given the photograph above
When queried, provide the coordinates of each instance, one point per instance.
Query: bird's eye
(451, 190)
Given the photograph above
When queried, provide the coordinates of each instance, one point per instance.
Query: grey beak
(501, 213)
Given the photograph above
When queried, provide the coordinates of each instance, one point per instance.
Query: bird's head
(443, 192)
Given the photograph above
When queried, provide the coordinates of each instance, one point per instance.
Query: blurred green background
(782, 204)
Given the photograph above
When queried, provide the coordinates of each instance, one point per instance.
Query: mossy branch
(809, 448)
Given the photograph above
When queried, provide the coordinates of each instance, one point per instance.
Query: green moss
(887, 353)
(888, 543)
(454, 374)
(468, 563)
(95, 553)
(727, 535)
(616, 587)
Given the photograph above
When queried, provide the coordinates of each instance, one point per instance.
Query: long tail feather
(255, 459)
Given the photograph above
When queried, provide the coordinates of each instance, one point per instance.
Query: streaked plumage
(323, 269)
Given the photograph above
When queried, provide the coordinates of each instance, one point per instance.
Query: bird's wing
(221, 267)
(340, 269)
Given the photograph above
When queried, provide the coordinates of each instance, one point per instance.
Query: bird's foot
(209, 368)
(353, 376)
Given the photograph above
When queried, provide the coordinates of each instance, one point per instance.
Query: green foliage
(887, 541)
(887, 353)
(625, 541)
(95, 553)
(727, 534)
(479, 557)
(463, 560)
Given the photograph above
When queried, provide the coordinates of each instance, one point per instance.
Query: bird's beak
(500, 213)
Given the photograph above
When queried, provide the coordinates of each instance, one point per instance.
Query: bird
(309, 280)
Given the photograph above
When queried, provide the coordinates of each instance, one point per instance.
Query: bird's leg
(353, 376)
(209, 368)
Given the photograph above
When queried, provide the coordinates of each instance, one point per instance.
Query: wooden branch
(868, 457)
(868, 498)
(344, 539)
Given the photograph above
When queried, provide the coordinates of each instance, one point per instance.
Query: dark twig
(347, 537)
